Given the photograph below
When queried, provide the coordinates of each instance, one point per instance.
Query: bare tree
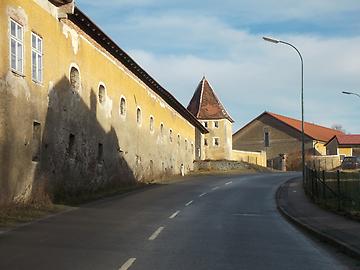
(338, 127)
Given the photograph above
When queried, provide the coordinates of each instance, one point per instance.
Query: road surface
(207, 222)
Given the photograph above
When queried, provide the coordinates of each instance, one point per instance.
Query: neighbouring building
(280, 137)
(344, 145)
(77, 113)
(207, 108)
(217, 144)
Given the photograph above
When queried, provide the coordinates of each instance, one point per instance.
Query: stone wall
(258, 158)
(324, 162)
(219, 165)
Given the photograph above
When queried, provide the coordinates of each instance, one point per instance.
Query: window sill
(38, 83)
(18, 74)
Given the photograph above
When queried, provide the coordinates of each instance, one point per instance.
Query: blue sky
(178, 42)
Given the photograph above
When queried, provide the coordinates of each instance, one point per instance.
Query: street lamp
(276, 41)
(350, 93)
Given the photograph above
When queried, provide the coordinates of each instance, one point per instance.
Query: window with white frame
(36, 57)
(16, 47)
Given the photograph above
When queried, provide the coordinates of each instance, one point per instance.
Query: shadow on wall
(13, 144)
(78, 156)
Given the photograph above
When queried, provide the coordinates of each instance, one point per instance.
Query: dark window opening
(36, 141)
(100, 153)
(122, 106)
(74, 79)
(266, 139)
(102, 94)
(138, 116)
(71, 147)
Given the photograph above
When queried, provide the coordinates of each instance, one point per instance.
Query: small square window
(216, 141)
(205, 142)
(206, 124)
(216, 124)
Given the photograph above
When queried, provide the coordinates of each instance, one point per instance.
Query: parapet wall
(258, 158)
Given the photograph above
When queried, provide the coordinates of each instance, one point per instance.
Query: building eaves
(91, 29)
(312, 131)
(205, 104)
(59, 3)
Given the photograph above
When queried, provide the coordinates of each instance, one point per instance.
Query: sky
(178, 42)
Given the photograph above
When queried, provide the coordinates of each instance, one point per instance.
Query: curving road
(208, 222)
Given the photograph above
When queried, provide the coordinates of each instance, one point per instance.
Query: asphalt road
(212, 222)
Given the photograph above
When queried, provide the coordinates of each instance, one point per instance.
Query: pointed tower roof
(205, 104)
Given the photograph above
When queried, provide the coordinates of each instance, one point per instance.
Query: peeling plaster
(75, 41)
(17, 85)
(45, 4)
(107, 106)
(19, 15)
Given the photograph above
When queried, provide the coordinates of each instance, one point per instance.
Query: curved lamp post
(350, 93)
(276, 41)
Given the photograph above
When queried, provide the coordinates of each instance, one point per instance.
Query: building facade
(280, 137)
(344, 145)
(77, 113)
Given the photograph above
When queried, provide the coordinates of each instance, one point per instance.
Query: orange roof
(313, 131)
(205, 104)
(316, 132)
(347, 139)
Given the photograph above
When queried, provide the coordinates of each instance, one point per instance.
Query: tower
(207, 108)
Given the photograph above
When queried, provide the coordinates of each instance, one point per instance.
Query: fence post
(324, 185)
(312, 183)
(317, 184)
(338, 189)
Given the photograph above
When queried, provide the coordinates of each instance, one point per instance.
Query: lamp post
(276, 41)
(350, 93)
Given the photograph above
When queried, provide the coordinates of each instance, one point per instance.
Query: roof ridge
(305, 122)
(218, 100)
(201, 95)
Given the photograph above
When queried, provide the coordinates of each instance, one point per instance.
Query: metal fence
(337, 190)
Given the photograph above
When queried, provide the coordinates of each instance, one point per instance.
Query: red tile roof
(205, 104)
(347, 139)
(313, 131)
(316, 132)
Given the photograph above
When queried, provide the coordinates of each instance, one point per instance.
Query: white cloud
(249, 11)
(256, 76)
(181, 43)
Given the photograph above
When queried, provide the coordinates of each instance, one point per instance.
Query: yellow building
(344, 145)
(77, 113)
(207, 108)
(217, 144)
